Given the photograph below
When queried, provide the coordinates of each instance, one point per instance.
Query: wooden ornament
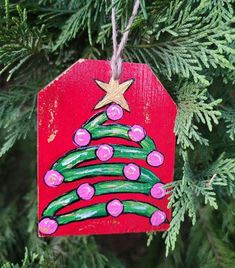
(105, 150)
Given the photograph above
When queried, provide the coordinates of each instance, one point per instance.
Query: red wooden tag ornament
(105, 150)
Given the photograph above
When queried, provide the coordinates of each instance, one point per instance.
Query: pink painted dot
(85, 191)
(158, 217)
(155, 159)
(132, 171)
(53, 178)
(47, 226)
(136, 133)
(115, 112)
(104, 152)
(115, 208)
(82, 137)
(157, 191)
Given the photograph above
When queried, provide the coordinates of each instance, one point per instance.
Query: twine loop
(116, 60)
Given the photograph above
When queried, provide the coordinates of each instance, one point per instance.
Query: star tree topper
(115, 93)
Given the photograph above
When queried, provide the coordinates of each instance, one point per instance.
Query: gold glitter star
(115, 92)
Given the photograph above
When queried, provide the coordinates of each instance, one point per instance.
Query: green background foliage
(190, 46)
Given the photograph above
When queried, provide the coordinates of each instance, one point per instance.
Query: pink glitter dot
(158, 217)
(47, 226)
(155, 159)
(115, 112)
(136, 133)
(104, 152)
(53, 178)
(132, 171)
(157, 191)
(82, 137)
(85, 191)
(115, 208)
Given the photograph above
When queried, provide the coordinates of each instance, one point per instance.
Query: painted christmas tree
(131, 177)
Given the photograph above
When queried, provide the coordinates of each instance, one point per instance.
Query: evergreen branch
(224, 168)
(16, 111)
(18, 42)
(186, 192)
(194, 107)
(229, 118)
(184, 51)
(182, 201)
(84, 252)
(84, 15)
(7, 234)
(214, 251)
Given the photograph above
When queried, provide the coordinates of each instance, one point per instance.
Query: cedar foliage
(190, 46)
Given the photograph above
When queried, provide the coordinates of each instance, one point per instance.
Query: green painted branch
(111, 169)
(88, 153)
(96, 121)
(101, 188)
(98, 130)
(119, 131)
(99, 210)
(139, 208)
(120, 186)
(94, 211)
(75, 157)
(148, 144)
(60, 202)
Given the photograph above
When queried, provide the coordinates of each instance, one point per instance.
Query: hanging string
(116, 61)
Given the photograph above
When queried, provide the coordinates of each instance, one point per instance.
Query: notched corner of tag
(81, 60)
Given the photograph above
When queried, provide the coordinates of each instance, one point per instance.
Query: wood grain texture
(65, 105)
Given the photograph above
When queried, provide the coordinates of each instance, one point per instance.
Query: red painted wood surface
(67, 103)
